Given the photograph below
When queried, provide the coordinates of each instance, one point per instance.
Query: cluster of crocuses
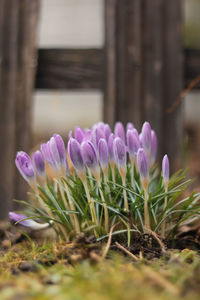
(97, 156)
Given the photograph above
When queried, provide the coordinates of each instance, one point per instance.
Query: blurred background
(75, 62)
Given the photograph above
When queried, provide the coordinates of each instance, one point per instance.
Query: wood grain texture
(173, 81)
(8, 73)
(110, 62)
(26, 66)
(18, 20)
(152, 66)
(100, 73)
(70, 69)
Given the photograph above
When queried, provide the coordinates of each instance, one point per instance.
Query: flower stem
(104, 206)
(71, 203)
(90, 201)
(123, 176)
(146, 209)
(132, 173)
(165, 205)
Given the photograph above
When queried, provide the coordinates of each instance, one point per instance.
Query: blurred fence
(141, 69)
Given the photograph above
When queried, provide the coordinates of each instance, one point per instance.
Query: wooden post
(148, 75)
(18, 20)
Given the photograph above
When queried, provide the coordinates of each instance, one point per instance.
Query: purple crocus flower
(25, 166)
(119, 149)
(154, 146)
(143, 163)
(97, 134)
(39, 164)
(146, 137)
(133, 143)
(74, 151)
(119, 131)
(61, 148)
(103, 154)
(129, 126)
(79, 134)
(165, 169)
(46, 152)
(19, 219)
(89, 156)
(57, 148)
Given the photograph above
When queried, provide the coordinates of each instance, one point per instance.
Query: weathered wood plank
(52, 65)
(8, 68)
(110, 62)
(70, 69)
(26, 65)
(173, 80)
(129, 61)
(17, 47)
(152, 60)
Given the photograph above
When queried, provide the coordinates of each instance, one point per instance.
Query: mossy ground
(54, 270)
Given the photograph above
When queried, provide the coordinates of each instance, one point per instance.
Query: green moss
(61, 272)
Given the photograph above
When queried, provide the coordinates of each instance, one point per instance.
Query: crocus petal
(97, 134)
(22, 220)
(89, 155)
(129, 126)
(60, 147)
(25, 166)
(133, 142)
(103, 153)
(119, 131)
(154, 146)
(45, 149)
(143, 163)
(74, 151)
(79, 134)
(165, 168)
(146, 136)
(54, 151)
(38, 162)
(119, 152)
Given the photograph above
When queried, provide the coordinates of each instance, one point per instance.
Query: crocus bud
(88, 135)
(39, 164)
(103, 154)
(165, 169)
(89, 156)
(25, 166)
(143, 164)
(129, 126)
(79, 134)
(133, 143)
(45, 149)
(120, 153)
(20, 219)
(74, 151)
(97, 134)
(57, 148)
(146, 137)
(154, 146)
(107, 131)
(61, 148)
(119, 131)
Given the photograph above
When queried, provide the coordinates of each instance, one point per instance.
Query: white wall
(65, 24)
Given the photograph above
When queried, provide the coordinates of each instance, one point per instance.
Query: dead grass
(68, 271)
